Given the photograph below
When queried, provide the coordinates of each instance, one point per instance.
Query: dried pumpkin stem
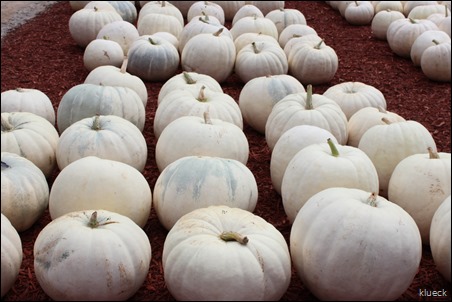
(188, 79)
(386, 120)
(333, 148)
(207, 119)
(318, 45)
(309, 105)
(234, 236)
(96, 123)
(94, 223)
(255, 49)
(5, 165)
(125, 61)
(218, 32)
(372, 200)
(432, 153)
(201, 95)
(6, 125)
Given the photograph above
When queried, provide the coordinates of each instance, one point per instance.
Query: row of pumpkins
(416, 30)
(314, 145)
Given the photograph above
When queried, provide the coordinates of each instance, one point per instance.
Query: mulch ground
(41, 54)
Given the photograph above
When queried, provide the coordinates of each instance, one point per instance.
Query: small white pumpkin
(436, 61)
(246, 11)
(425, 40)
(100, 52)
(25, 192)
(161, 8)
(419, 184)
(342, 244)
(111, 247)
(325, 165)
(248, 38)
(382, 20)
(293, 31)
(105, 136)
(359, 13)
(28, 100)
(225, 253)
(208, 8)
(149, 24)
(12, 254)
(126, 9)
(31, 136)
(190, 182)
(105, 184)
(440, 238)
(283, 17)
(122, 32)
(254, 24)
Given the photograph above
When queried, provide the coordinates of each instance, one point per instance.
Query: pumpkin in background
(353, 96)
(100, 52)
(12, 254)
(224, 253)
(111, 247)
(31, 136)
(230, 8)
(294, 31)
(153, 58)
(440, 238)
(382, 20)
(246, 11)
(87, 100)
(436, 61)
(305, 109)
(283, 17)
(254, 24)
(324, 165)
(189, 183)
(248, 38)
(105, 136)
(267, 6)
(149, 24)
(292, 141)
(359, 13)
(425, 40)
(194, 135)
(419, 184)
(122, 32)
(207, 8)
(259, 95)
(390, 142)
(126, 9)
(209, 53)
(162, 8)
(342, 244)
(106, 184)
(25, 191)
(28, 100)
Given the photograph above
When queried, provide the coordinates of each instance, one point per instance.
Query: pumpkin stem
(435, 42)
(207, 119)
(163, 3)
(333, 148)
(318, 45)
(125, 61)
(413, 20)
(5, 165)
(234, 236)
(152, 41)
(309, 105)
(381, 109)
(372, 200)
(188, 79)
(386, 120)
(94, 223)
(201, 95)
(20, 89)
(96, 123)
(447, 13)
(432, 153)
(6, 125)
(256, 50)
(218, 33)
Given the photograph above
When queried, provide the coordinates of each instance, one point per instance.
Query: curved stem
(94, 223)
(234, 236)
(125, 61)
(333, 148)
(309, 105)
(201, 95)
(5, 165)
(6, 125)
(318, 45)
(432, 153)
(256, 50)
(218, 33)
(188, 79)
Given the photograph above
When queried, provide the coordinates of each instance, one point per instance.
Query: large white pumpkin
(223, 253)
(95, 183)
(440, 238)
(107, 255)
(11, 254)
(25, 192)
(351, 245)
(190, 182)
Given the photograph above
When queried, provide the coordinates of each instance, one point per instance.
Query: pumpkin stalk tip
(333, 147)
(234, 236)
(372, 200)
(432, 153)
(309, 105)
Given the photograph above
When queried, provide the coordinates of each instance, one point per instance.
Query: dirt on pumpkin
(41, 54)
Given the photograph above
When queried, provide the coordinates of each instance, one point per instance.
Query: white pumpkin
(321, 166)
(126, 9)
(419, 184)
(87, 100)
(28, 100)
(267, 6)
(382, 20)
(230, 8)
(254, 24)
(225, 253)
(359, 13)
(105, 136)
(190, 182)
(305, 109)
(440, 238)
(149, 24)
(296, 42)
(247, 10)
(436, 61)
(292, 141)
(283, 17)
(25, 192)
(104, 184)
(122, 32)
(100, 52)
(248, 38)
(293, 31)
(353, 96)
(424, 41)
(342, 244)
(111, 247)
(194, 135)
(390, 142)
(31, 136)
(161, 8)
(12, 254)
(208, 8)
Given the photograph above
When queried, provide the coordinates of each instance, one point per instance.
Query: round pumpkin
(359, 13)
(425, 40)
(25, 191)
(284, 17)
(440, 238)
(342, 244)
(436, 61)
(12, 254)
(104, 184)
(190, 182)
(111, 247)
(246, 11)
(225, 253)
(100, 52)
(381, 21)
(122, 32)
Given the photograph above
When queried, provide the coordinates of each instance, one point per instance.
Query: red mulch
(42, 55)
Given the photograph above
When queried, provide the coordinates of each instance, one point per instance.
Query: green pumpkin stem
(234, 236)
(333, 148)
(435, 42)
(372, 200)
(94, 223)
(218, 32)
(188, 79)
(309, 105)
(151, 41)
(432, 153)
(413, 20)
(96, 123)
(318, 45)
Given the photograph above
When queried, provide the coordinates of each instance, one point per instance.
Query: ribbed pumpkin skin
(25, 192)
(12, 254)
(440, 238)
(153, 58)
(190, 182)
(87, 100)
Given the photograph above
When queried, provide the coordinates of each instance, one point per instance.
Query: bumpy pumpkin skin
(200, 266)
(440, 238)
(107, 262)
(11, 254)
(343, 247)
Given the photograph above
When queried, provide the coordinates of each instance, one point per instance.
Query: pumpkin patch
(52, 61)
